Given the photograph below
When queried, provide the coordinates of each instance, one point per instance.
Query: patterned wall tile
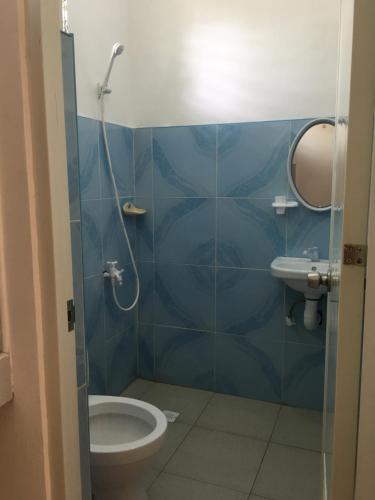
(75, 231)
(175, 171)
(249, 234)
(297, 332)
(118, 322)
(252, 159)
(114, 243)
(304, 375)
(185, 161)
(120, 140)
(184, 296)
(249, 368)
(70, 112)
(146, 305)
(184, 357)
(145, 230)
(143, 162)
(306, 229)
(185, 230)
(121, 360)
(91, 237)
(146, 351)
(88, 140)
(70, 109)
(95, 335)
(249, 303)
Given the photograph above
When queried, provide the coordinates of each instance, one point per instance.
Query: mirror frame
(293, 148)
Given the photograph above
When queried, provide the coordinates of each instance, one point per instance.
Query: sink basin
(294, 270)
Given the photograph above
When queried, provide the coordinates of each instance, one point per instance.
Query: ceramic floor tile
(169, 487)
(247, 417)
(298, 427)
(218, 458)
(188, 402)
(138, 388)
(149, 477)
(176, 433)
(289, 473)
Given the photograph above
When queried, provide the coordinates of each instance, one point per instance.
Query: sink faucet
(312, 253)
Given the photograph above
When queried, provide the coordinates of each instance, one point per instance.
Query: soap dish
(132, 210)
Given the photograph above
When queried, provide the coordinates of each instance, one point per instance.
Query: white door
(354, 131)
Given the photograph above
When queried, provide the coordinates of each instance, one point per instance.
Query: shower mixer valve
(113, 273)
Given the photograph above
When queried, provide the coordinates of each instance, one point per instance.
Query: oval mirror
(310, 164)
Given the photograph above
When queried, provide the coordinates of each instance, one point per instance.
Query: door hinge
(355, 255)
(71, 314)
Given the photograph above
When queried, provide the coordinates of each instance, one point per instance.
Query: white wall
(97, 25)
(208, 61)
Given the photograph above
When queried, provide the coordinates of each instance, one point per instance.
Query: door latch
(71, 314)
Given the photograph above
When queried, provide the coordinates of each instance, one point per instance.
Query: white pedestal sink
(293, 271)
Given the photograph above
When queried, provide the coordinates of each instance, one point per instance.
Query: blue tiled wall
(210, 314)
(111, 335)
(70, 109)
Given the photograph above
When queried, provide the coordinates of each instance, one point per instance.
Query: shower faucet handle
(113, 273)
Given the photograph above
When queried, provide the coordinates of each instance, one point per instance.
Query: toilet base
(128, 493)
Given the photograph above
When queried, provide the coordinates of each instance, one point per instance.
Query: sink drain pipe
(312, 316)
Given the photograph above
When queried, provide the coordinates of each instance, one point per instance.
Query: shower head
(117, 49)
(103, 88)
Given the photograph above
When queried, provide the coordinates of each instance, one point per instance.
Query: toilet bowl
(125, 435)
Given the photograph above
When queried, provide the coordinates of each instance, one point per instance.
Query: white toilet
(125, 435)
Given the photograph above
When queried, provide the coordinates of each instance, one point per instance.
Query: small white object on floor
(172, 416)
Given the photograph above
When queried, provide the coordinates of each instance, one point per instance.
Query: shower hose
(122, 222)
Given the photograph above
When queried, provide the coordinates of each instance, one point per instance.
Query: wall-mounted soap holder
(132, 210)
(281, 204)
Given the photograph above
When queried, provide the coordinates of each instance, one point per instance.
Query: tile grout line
(195, 425)
(295, 447)
(136, 316)
(206, 482)
(154, 340)
(192, 426)
(178, 447)
(248, 337)
(231, 433)
(265, 453)
(209, 266)
(154, 351)
(215, 259)
(285, 291)
(99, 156)
(268, 442)
(152, 191)
(275, 424)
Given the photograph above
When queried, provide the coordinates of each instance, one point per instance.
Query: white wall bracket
(281, 204)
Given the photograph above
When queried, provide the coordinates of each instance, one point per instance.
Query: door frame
(39, 451)
(355, 231)
(365, 478)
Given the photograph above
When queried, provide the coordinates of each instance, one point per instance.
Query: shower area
(185, 114)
